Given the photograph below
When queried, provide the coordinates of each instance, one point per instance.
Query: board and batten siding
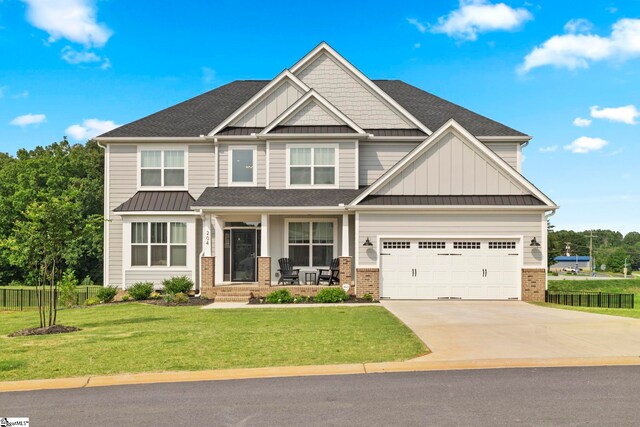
(122, 185)
(378, 157)
(271, 107)
(223, 164)
(202, 168)
(346, 157)
(466, 225)
(452, 167)
(507, 151)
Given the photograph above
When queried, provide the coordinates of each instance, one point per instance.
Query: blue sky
(79, 67)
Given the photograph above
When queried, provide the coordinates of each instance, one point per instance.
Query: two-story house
(417, 196)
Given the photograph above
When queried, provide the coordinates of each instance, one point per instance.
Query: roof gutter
(150, 139)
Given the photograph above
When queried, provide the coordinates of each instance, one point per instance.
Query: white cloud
(22, 95)
(626, 114)
(578, 26)
(417, 45)
(90, 128)
(75, 57)
(419, 25)
(582, 123)
(586, 144)
(74, 20)
(208, 75)
(549, 149)
(28, 119)
(479, 16)
(577, 50)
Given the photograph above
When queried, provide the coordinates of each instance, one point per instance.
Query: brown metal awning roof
(497, 200)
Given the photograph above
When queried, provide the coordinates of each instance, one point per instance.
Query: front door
(243, 255)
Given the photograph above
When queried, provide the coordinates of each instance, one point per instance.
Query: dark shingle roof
(194, 117)
(200, 115)
(160, 201)
(434, 111)
(513, 200)
(260, 196)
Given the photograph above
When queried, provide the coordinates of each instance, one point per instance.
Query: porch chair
(288, 274)
(331, 274)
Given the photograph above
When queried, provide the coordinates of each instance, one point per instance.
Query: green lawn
(143, 338)
(624, 286)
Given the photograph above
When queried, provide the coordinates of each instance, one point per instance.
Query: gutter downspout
(199, 284)
(546, 245)
(105, 214)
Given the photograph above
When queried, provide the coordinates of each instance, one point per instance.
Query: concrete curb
(313, 370)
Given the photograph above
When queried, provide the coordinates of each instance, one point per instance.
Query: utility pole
(591, 251)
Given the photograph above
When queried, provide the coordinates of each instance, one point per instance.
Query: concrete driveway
(474, 330)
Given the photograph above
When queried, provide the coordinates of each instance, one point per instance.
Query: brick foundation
(264, 271)
(208, 276)
(368, 282)
(345, 270)
(533, 284)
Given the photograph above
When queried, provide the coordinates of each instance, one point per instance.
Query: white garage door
(450, 268)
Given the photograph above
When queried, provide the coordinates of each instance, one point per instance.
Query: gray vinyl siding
(346, 156)
(507, 151)
(378, 157)
(202, 168)
(123, 183)
(452, 167)
(528, 225)
(271, 107)
(312, 115)
(223, 162)
(156, 276)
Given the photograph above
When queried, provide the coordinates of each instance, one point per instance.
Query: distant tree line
(610, 248)
(51, 213)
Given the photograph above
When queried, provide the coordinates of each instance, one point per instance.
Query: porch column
(207, 235)
(218, 236)
(345, 235)
(264, 260)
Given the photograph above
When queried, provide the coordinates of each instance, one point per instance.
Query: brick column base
(208, 276)
(533, 284)
(264, 271)
(345, 270)
(368, 282)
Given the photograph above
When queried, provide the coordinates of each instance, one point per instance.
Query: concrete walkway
(490, 330)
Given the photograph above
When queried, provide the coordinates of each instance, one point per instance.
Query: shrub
(107, 294)
(155, 295)
(141, 290)
(176, 285)
(281, 296)
(68, 291)
(204, 297)
(92, 301)
(125, 297)
(181, 298)
(328, 295)
(87, 281)
(168, 298)
(367, 297)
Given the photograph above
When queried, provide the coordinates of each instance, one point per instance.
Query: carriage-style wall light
(367, 242)
(534, 243)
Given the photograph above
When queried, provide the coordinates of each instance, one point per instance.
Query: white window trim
(162, 148)
(230, 149)
(311, 220)
(336, 158)
(149, 245)
(126, 244)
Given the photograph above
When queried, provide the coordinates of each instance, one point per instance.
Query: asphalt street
(599, 396)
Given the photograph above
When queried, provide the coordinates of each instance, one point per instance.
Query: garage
(437, 268)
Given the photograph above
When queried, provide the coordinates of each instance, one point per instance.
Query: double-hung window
(312, 166)
(311, 243)
(158, 244)
(162, 168)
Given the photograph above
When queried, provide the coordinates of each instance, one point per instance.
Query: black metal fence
(591, 299)
(19, 299)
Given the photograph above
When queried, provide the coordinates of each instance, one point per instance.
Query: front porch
(240, 251)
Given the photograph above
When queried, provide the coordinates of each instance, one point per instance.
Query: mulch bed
(352, 300)
(192, 302)
(55, 329)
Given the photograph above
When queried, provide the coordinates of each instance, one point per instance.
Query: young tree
(40, 245)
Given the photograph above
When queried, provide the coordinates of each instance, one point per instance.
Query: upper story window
(312, 166)
(242, 165)
(162, 168)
